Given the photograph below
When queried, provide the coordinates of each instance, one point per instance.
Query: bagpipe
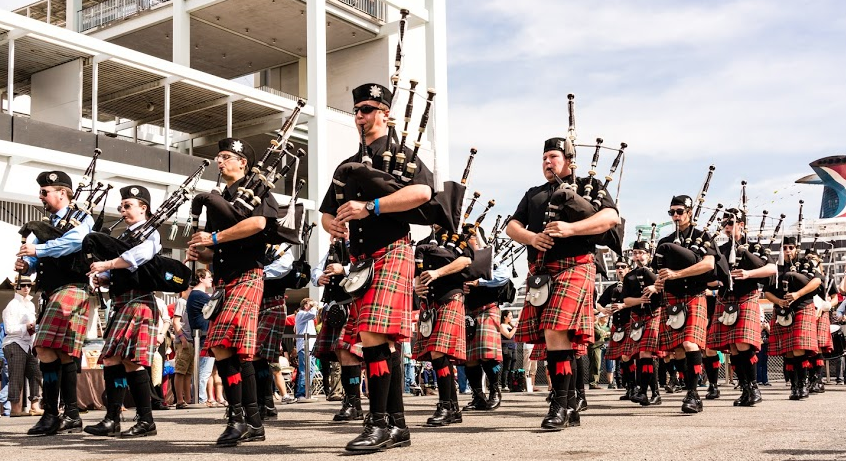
(300, 273)
(334, 296)
(161, 273)
(581, 198)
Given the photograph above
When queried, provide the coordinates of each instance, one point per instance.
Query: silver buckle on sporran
(538, 293)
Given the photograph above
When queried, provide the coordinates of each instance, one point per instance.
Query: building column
(181, 35)
(319, 172)
(436, 76)
(72, 14)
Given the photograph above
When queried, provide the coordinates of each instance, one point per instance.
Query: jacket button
(360, 240)
(361, 229)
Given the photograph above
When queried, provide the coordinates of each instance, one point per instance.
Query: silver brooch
(375, 91)
(52, 177)
(237, 147)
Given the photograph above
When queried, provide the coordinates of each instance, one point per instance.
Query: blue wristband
(214, 238)
(376, 207)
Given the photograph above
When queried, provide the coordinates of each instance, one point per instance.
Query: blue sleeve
(317, 270)
(69, 243)
(143, 252)
(841, 309)
(279, 268)
(499, 277)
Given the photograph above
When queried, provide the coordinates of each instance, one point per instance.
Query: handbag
(538, 294)
(469, 327)
(359, 278)
(336, 314)
(213, 307)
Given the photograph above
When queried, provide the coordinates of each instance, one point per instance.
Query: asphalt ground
(611, 429)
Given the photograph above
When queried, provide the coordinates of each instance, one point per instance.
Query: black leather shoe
(754, 395)
(713, 392)
(689, 404)
(743, 400)
(158, 405)
(376, 435)
(140, 429)
(236, 427)
(557, 417)
(350, 410)
(105, 428)
(794, 393)
(443, 415)
(68, 425)
(478, 402)
(400, 435)
(804, 393)
(655, 399)
(640, 397)
(47, 425)
(581, 401)
(494, 398)
(456, 414)
(253, 434)
(628, 394)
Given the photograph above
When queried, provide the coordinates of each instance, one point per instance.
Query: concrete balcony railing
(375, 8)
(114, 10)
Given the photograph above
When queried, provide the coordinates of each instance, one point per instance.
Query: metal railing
(375, 8)
(113, 10)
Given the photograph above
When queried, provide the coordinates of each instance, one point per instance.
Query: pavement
(778, 428)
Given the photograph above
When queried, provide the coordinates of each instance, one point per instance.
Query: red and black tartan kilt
(236, 323)
(649, 341)
(487, 343)
(747, 329)
(802, 334)
(448, 335)
(64, 320)
(132, 332)
(695, 328)
(326, 342)
(538, 352)
(617, 349)
(271, 326)
(570, 304)
(385, 307)
(824, 333)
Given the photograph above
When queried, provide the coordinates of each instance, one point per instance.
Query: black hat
(734, 214)
(789, 240)
(641, 245)
(555, 144)
(622, 260)
(54, 178)
(238, 147)
(372, 92)
(134, 191)
(683, 200)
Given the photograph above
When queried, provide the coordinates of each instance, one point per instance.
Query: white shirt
(18, 313)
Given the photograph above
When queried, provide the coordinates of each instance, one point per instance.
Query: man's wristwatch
(370, 207)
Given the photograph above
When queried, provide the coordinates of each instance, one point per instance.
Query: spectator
(763, 379)
(507, 330)
(279, 379)
(304, 323)
(409, 365)
(427, 376)
(601, 331)
(530, 366)
(19, 320)
(184, 363)
(199, 325)
(163, 343)
(5, 405)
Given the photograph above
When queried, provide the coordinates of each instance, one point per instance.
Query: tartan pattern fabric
(235, 324)
(570, 304)
(824, 341)
(747, 329)
(448, 335)
(132, 332)
(271, 326)
(538, 352)
(649, 341)
(624, 347)
(487, 344)
(64, 320)
(695, 328)
(802, 334)
(385, 307)
(327, 341)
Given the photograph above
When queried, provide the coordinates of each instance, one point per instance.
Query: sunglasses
(621, 266)
(789, 247)
(125, 206)
(44, 192)
(677, 211)
(727, 223)
(365, 109)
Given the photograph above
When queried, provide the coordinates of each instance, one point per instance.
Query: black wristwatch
(370, 207)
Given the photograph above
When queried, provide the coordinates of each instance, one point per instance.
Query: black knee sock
(740, 366)
(804, 368)
(694, 369)
(229, 370)
(453, 388)
(681, 371)
(474, 377)
(395, 404)
(351, 381)
(139, 387)
(249, 394)
(662, 373)
(443, 374)
(377, 360)
(579, 375)
(647, 369)
(115, 379)
(262, 370)
(492, 369)
(712, 368)
(654, 384)
(560, 367)
(51, 373)
(750, 360)
(68, 385)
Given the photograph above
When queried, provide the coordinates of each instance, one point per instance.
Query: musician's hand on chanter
(337, 229)
(203, 239)
(659, 285)
(649, 291)
(27, 249)
(542, 242)
(790, 297)
(351, 210)
(421, 290)
(467, 285)
(192, 254)
(739, 274)
(667, 274)
(99, 267)
(21, 266)
(559, 229)
(428, 277)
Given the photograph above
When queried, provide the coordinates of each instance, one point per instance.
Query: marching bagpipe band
(300, 273)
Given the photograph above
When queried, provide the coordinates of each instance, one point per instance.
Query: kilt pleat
(695, 328)
(271, 327)
(538, 352)
(64, 320)
(236, 323)
(802, 334)
(448, 335)
(617, 349)
(824, 340)
(747, 329)
(487, 343)
(133, 331)
(649, 341)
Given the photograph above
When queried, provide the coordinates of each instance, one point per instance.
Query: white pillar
(95, 84)
(319, 172)
(167, 116)
(10, 79)
(72, 15)
(229, 119)
(49, 10)
(181, 35)
(436, 76)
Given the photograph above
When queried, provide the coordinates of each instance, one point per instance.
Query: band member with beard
(639, 296)
(130, 338)
(621, 345)
(793, 332)
(684, 289)
(563, 251)
(235, 254)
(381, 316)
(484, 350)
(64, 318)
(736, 325)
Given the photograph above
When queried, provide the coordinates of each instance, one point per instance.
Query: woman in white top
(19, 318)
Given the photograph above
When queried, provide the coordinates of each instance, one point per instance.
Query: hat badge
(375, 91)
(237, 147)
(52, 177)
(134, 191)
(688, 203)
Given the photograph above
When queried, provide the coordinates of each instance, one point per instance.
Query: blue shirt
(279, 268)
(196, 300)
(69, 243)
(499, 277)
(304, 323)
